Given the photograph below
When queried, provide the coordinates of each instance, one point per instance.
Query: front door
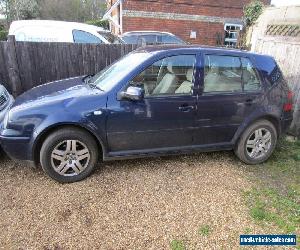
(164, 118)
(231, 92)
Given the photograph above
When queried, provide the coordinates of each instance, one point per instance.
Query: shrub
(3, 35)
(252, 11)
(100, 23)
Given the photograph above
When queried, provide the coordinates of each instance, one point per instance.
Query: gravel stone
(134, 204)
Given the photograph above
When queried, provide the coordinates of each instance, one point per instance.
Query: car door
(231, 92)
(165, 117)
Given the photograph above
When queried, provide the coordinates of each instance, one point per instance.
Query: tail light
(288, 106)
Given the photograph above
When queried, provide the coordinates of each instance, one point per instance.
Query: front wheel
(69, 155)
(257, 143)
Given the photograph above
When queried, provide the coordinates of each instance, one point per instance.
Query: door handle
(186, 108)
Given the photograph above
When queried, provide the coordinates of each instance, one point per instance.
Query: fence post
(12, 66)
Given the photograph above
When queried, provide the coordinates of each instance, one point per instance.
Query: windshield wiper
(87, 80)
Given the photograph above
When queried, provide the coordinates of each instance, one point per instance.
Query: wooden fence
(24, 65)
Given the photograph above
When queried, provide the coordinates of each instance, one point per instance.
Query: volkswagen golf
(155, 101)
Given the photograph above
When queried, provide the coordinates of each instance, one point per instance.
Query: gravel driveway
(136, 204)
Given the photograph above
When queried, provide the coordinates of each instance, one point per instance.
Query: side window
(85, 37)
(146, 40)
(222, 74)
(131, 39)
(166, 39)
(250, 78)
(169, 76)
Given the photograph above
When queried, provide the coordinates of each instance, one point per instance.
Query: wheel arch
(47, 131)
(273, 119)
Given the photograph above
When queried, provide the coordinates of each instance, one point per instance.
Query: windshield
(110, 37)
(110, 76)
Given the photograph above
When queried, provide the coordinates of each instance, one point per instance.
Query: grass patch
(177, 245)
(276, 197)
(204, 230)
(247, 230)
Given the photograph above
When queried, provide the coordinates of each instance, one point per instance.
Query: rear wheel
(69, 155)
(257, 143)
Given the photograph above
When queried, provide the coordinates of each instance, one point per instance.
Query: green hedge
(3, 35)
(100, 23)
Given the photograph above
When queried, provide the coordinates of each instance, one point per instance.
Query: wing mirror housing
(132, 93)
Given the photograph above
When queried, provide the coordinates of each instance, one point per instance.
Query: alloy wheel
(70, 158)
(259, 143)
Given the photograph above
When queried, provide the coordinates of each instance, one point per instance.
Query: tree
(71, 10)
(65, 10)
(20, 9)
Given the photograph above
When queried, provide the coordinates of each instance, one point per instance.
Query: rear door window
(222, 74)
(85, 37)
(230, 74)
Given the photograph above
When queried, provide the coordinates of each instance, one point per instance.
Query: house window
(232, 33)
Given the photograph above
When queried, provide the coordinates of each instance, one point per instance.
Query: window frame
(196, 80)
(242, 92)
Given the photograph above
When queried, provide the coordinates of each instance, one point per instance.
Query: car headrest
(189, 75)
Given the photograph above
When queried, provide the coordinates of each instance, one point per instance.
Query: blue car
(154, 101)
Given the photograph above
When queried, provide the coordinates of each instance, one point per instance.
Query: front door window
(170, 76)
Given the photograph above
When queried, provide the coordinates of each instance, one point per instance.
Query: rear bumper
(285, 124)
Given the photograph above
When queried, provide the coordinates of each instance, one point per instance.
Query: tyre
(69, 155)
(257, 143)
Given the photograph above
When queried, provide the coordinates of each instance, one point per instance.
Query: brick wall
(206, 32)
(221, 8)
(180, 17)
(189, 7)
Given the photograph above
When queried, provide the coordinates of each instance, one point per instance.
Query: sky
(285, 2)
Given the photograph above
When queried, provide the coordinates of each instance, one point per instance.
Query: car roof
(192, 48)
(40, 23)
(146, 32)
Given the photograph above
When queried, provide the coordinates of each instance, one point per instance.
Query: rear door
(231, 91)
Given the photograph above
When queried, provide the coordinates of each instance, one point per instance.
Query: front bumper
(17, 148)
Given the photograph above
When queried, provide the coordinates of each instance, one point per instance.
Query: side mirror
(133, 93)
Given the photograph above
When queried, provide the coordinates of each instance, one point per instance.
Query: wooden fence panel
(26, 64)
(4, 78)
